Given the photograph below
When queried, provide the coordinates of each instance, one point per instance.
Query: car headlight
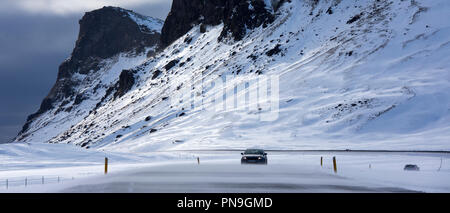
(244, 158)
(259, 158)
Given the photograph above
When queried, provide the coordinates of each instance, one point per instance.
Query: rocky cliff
(103, 33)
(236, 15)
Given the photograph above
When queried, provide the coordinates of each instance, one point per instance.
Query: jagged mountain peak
(111, 30)
(104, 33)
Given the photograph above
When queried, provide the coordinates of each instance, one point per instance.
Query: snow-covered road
(229, 178)
(221, 172)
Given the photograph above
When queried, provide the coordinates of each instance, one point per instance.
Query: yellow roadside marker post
(106, 165)
(334, 165)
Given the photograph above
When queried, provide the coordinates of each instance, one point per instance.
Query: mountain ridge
(103, 33)
(355, 75)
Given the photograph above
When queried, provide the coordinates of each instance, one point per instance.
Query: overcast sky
(35, 37)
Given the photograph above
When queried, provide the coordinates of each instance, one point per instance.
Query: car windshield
(254, 151)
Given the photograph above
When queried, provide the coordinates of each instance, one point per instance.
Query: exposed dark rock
(253, 57)
(179, 86)
(171, 64)
(188, 40)
(274, 51)
(237, 15)
(107, 94)
(79, 98)
(156, 73)
(68, 109)
(126, 82)
(354, 18)
(330, 11)
(148, 118)
(202, 28)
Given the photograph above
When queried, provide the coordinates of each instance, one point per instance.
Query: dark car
(254, 156)
(411, 167)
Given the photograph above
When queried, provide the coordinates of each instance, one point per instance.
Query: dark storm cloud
(32, 46)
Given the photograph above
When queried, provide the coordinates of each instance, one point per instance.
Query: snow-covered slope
(369, 74)
(146, 23)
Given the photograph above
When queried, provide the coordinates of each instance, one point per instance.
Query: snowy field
(220, 171)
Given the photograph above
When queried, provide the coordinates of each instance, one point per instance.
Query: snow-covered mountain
(368, 74)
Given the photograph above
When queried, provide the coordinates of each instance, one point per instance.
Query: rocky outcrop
(236, 15)
(108, 31)
(103, 34)
(242, 15)
(126, 82)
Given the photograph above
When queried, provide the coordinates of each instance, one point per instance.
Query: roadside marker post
(42, 180)
(334, 165)
(321, 161)
(6, 183)
(106, 165)
(198, 160)
(26, 182)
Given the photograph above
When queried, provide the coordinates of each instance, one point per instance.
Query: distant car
(254, 156)
(411, 167)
